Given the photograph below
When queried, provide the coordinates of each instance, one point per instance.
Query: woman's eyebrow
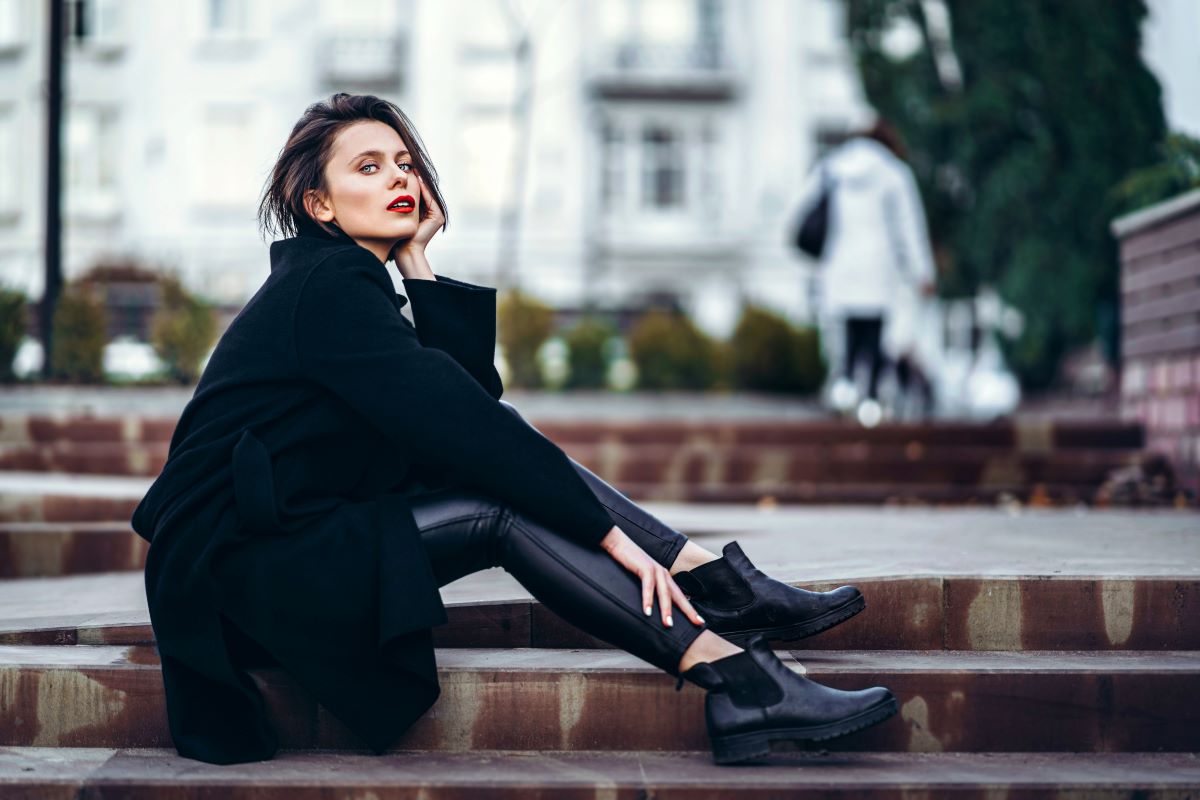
(374, 153)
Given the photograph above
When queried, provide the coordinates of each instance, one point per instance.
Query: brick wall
(1160, 328)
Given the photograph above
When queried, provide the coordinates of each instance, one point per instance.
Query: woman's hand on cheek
(431, 221)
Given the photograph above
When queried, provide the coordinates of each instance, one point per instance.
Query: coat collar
(307, 227)
(310, 237)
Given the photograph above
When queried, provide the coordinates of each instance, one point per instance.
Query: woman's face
(369, 169)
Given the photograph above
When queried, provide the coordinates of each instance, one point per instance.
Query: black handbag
(813, 229)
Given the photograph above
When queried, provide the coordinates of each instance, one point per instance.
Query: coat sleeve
(459, 318)
(351, 339)
(908, 228)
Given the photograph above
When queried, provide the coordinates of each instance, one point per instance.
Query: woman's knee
(461, 529)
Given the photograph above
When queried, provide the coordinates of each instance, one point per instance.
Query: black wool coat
(280, 529)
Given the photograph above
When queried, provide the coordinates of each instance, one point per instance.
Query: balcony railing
(365, 60)
(649, 69)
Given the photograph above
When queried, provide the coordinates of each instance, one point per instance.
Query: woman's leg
(872, 335)
(661, 542)
(752, 699)
(465, 531)
(854, 344)
(736, 599)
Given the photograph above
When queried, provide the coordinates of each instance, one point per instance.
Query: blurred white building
(662, 139)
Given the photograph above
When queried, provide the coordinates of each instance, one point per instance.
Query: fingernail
(700, 618)
(647, 611)
(669, 622)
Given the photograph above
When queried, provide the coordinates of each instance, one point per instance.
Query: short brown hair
(301, 163)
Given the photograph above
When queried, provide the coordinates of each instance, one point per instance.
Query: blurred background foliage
(590, 352)
(523, 324)
(668, 351)
(80, 334)
(769, 354)
(182, 331)
(1019, 160)
(14, 318)
(1177, 171)
(671, 352)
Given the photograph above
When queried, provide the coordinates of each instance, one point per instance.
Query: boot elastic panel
(702, 675)
(741, 675)
(720, 583)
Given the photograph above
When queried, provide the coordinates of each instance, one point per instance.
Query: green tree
(1177, 171)
(670, 352)
(523, 323)
(769, 354)
(79, 336)
(14, 316)
(589, 343)
(183, 330)
(1017, 160)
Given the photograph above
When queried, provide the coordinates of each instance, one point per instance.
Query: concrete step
(106, 696)
(637, 462)
(1022, 434)
(63, 497)
(884, 493)
(920, 612)
(823, 461)
(37, 506)
(42, 773)
(42, 549)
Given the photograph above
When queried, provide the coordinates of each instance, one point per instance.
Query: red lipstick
(404, 204)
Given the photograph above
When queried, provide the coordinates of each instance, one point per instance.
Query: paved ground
(795, 544)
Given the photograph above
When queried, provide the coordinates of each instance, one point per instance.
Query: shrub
(770, 355)
(182, 331)
(524, 324)
(670, 352)
(14, 317)
(589, 344)
(80, 332)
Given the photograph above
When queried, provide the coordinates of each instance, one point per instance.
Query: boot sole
(801, 630)
(747, 746)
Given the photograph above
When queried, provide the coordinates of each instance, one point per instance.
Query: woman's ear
(317, 207)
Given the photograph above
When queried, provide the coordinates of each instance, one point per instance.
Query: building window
(227, 18)
(229, 176)
(93, 20)
(662, 168)
(662, 33)
(709, 175)
(10, 24)
(612, 170)
(10, 156)
(92, 157)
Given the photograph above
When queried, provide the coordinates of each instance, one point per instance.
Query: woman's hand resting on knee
(654, 576)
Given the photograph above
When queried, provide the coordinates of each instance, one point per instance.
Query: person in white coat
(877, 264)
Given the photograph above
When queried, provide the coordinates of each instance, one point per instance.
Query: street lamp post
(53, 243)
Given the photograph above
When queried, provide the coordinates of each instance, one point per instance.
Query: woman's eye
(376, 166)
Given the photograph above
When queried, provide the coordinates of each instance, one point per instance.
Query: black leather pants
(465, 531)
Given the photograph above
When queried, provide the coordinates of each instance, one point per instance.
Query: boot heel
(748, 746)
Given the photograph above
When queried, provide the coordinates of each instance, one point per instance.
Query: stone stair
(1041, 654)
(717, 461)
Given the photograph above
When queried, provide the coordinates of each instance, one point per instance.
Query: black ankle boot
(754, 699)
(738, 601)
